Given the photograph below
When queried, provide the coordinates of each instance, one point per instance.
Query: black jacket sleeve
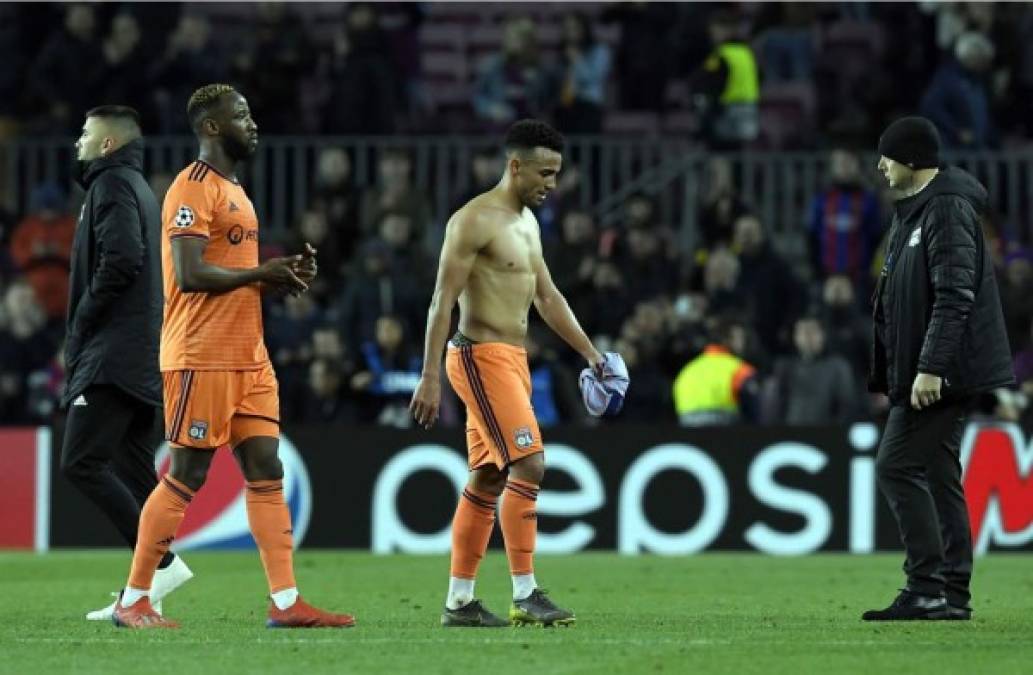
(952, 259)
(120, 250)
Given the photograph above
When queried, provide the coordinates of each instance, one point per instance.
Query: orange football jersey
(204, 331)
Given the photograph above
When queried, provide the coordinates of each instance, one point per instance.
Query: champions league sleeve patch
(184, 217)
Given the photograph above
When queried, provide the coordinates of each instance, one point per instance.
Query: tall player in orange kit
(219, 383)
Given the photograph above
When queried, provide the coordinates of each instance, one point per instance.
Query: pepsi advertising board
(780, 491)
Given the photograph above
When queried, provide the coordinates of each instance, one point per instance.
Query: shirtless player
(491, 262)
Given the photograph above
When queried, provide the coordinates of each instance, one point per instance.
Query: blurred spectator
(768, 282)
(788, 46)
(387, 376)
(289, 326)
(272, 64)
(572, 258)
(396, 230)
(720, 204)
(814, 387)
(1022, 85)
(686, 333)
(643, 54)
(958, 99)
(12, 56)
(378, 287)
(67, 70)
(42, 248)
(609, 290)
(313, 227)
(335, 193)
(584, 70)
(1017, 296)
(652, 402)
(362, 78)
(327, 344)
(402, 21)
(848, 329)
(513, 84)
(191, 57)
(637, 210)
(554, 390)
(845, 223)
(127, 68)
(650, 264)
(646, 328)
(486, 167)
(718, 387)
(27, 344)
(395, 193)
(721, 282)
(726, 87)
(326, 400)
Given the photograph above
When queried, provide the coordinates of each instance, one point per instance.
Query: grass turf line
(714, 613)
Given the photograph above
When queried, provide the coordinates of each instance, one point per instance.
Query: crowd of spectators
(736, 70)
(349, 350)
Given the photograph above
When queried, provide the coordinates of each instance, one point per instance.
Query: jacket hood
(951, 180)
(129, 155)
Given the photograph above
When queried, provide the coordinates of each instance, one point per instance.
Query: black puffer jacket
(937, 308)
(115, 291)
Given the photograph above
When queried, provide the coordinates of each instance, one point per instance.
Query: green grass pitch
(714, 613)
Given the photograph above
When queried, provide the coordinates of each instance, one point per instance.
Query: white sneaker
(168, 580)
(165, 581)
(105, 613)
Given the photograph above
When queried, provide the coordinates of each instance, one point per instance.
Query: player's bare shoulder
(476, 223)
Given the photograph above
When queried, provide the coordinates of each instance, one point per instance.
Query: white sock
(285, 598)
(130, 596)
(460, 592)
(523, 584)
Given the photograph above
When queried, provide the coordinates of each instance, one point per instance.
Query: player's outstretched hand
(425, 401)
(279, 272)
(306, 269)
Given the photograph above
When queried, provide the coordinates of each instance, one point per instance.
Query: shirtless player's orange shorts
(493, 380)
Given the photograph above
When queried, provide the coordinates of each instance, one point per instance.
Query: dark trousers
(919, 472)
(108, 453)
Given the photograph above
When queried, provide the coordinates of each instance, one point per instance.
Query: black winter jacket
(937, 309)
(115, 288)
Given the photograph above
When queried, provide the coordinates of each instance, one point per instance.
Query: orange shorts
(210, 408)
(493, 380)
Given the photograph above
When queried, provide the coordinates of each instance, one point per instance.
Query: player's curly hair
(203, 100)
(529, 134)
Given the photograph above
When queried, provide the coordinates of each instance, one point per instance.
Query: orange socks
(270, 523)
(159, 520)
(520, 525)
(471, 530)
(267, 514)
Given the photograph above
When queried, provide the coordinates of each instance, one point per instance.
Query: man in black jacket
(939, 341)
(115, 420)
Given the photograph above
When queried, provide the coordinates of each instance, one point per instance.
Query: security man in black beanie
(939, 341)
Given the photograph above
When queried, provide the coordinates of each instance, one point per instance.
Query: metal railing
(780, 186)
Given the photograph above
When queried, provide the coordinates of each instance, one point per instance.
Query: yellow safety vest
(710, 382)
(743, 85)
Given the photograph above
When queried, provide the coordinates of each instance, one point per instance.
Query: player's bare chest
(513, 248)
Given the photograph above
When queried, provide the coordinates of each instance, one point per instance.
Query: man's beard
(236, 150)
(79, 169)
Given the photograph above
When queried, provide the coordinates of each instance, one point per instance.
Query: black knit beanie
(913, 141)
